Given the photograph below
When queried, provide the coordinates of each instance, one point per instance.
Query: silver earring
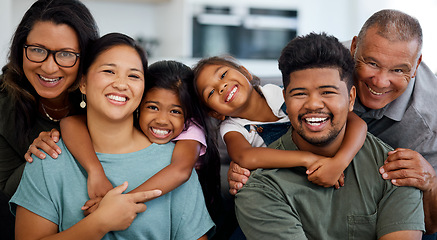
(83, 103)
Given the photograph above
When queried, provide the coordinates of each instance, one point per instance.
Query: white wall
(168, 21)
(5, 29)
(131, 18)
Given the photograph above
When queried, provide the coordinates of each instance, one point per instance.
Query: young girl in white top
(250, 113)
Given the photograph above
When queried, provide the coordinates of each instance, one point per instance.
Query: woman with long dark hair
(38, 85)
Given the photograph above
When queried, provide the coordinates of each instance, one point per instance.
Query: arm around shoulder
(185, 155)
(249, 157)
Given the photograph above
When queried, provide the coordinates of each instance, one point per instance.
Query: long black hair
(74, 14)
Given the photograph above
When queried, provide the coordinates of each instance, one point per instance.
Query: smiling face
(224, 89)
(49, 79)
(161, 115)
(318, 104)
(383, 68)
(114, 83)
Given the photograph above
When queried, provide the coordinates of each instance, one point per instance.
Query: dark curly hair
(316, 51)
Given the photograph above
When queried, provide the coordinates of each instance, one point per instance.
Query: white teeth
(231, 94)
(315, 121)
(373, 92)
(49, 79)
(160, 132)
(117, 98)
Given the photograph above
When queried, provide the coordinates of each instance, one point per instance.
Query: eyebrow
(402, 65)
(157, 103)
(114, 65)
(320, 87)
(68, 49)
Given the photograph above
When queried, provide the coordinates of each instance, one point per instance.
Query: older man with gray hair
(395, 92)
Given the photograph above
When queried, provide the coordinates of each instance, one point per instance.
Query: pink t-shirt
(193, 132)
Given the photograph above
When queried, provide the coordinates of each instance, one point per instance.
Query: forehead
(314, 78)
(397, 52)
(122, 55)
(162, 95)
(208, 71)
(54, 36)
(207, 76)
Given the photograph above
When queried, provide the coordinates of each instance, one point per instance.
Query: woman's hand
(117, 210)
(45, 141)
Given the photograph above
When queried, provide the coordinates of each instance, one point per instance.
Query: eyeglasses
(62, 58)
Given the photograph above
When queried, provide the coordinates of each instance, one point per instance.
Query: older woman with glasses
(39, 84)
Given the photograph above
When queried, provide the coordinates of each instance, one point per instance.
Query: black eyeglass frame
(48, 54)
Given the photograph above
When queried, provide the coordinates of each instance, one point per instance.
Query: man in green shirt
(283, 204)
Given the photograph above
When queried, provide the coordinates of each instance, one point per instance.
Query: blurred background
(253, 31)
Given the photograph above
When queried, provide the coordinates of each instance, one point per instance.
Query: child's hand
(326, 173)
(98, 184)
(91, 205)
(45, 141)
(237, 177)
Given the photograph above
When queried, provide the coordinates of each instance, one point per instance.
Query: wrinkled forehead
(377, 37)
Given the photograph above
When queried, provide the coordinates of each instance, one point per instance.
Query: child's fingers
(91, 209)
(311, 169)
(91, 203)
(340, 182)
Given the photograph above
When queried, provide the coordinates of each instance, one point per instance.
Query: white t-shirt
(275, 100)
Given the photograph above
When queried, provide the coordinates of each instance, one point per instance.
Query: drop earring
(83, 103)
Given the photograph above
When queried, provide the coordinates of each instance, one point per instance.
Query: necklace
(49, 117)
(55, 109)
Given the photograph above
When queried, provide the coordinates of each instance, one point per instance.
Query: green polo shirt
(283, 204)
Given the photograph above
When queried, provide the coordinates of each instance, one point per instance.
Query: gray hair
(394, 25)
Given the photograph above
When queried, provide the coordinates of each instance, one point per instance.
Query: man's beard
(317, 141)
(320, 142)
